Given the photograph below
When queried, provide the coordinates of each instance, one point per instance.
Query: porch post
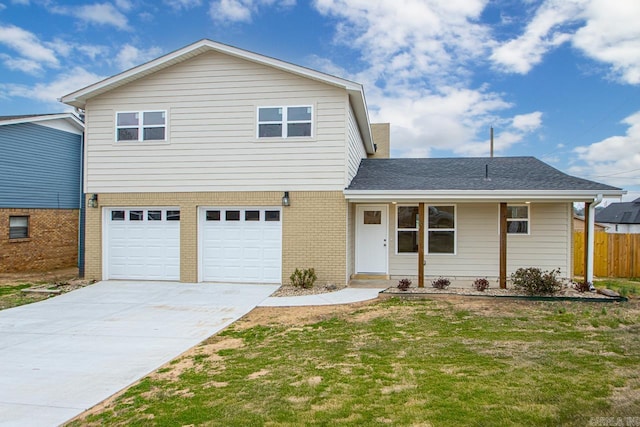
(587, 236)
(503, 245)
(421, 222)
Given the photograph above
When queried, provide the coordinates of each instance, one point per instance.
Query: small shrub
(481, 284)
(404, 284)
(582, 286)
(534, 281)
(441, 283)
(304, 278)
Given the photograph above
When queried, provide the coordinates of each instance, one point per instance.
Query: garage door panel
(142, 249)
(239, 251)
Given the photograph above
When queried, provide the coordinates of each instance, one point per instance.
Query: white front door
(371, 239)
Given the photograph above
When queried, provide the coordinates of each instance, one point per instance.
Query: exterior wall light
(93, 201)
(285, 199)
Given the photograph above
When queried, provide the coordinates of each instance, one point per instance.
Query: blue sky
(557, 79)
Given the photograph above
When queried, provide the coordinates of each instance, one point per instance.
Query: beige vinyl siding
(211, 102)
(478, 247)
(549, 244)
(355, 147)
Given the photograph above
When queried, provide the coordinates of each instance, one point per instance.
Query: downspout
(588, 274)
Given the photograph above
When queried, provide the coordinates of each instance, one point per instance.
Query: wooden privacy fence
(615, 255)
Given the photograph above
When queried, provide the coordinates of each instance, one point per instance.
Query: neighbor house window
(18, 227)
(518, 219)
(440, 230)
(285, 122)
(141, 126)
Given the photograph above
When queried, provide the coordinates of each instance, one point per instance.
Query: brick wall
(52, 241)
(314, 228)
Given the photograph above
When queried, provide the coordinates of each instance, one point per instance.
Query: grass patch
(401, 362)
(626, 288)
(12, 296)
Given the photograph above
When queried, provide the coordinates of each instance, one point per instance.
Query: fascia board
(70, 117)
(479, 196)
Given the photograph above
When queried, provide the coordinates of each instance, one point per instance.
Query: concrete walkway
(63, 355)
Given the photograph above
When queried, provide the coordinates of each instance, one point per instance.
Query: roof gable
(355, 91)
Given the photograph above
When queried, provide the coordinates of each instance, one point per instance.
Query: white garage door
(240, 245)
(142, 243)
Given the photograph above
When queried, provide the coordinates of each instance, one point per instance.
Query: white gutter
(588, 274)
(476, 195)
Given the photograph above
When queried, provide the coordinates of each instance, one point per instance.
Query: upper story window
(141, 126)
(285, 122)
(518, 219)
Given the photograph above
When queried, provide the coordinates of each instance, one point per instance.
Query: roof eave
(70, 117)
(479, 195)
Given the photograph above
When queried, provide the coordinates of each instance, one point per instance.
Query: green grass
(400, 362)
(12, 296)
(625, 287)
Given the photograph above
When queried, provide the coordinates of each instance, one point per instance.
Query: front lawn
(463, 362)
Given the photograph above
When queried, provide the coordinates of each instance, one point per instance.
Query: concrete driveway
(61, 356)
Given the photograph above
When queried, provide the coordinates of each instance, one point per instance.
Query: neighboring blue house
(40, 191)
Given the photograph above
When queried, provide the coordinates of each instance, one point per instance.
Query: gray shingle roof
(26, 116)
(620, 213)
(505, 173)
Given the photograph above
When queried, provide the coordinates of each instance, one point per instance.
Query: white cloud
(125, 5)
(547, 30)
(612, 35)
(130, 56)
(27, 45)
(2, 7)
(418, 56)
(614, 160)
(97, 13)
(28, 66)
(528, 122)
(182, 4)
(63, 84)
(242, 10)
(22, 2)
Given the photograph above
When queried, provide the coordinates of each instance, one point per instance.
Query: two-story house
(213, 163)
(40, 191)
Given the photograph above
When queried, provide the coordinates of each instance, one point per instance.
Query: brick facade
(52, 241)
(314, 228)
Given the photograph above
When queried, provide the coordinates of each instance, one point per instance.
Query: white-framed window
(285, 122)
(518, 219)
(141, 126)
(18, 227)
(440, 231)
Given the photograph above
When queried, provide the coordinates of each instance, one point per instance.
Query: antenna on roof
(491, 139)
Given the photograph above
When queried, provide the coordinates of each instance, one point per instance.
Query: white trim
(70, 117)
(528, 219)
(284, 122)
(141, 127)
(454, 229)
(439, 196)
(427, 229)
